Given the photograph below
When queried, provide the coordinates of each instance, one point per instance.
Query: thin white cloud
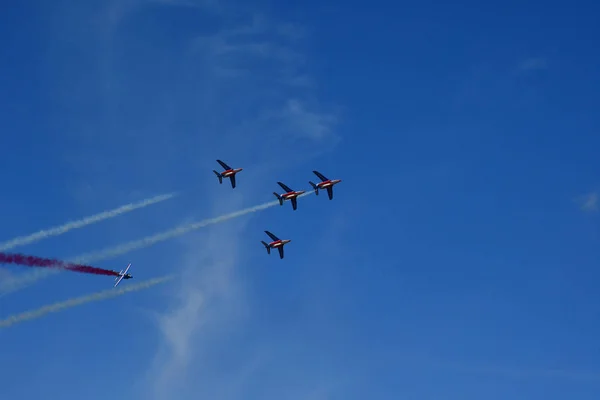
(5, 275)
(315, 125)
(269, 54)
(244, 80)
(239, 92)
(497, 370)
(533, 64)
(209, 298)
(251, 95)
(589, 202)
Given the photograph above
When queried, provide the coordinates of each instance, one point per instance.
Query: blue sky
(458, 260)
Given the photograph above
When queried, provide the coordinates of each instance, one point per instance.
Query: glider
(228, 173)
(290, 194)
(324, 184)
(123, 275)
(275, 244)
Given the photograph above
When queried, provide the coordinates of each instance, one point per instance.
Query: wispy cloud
(524, 373)
(265, 58)
(532, 64)
(238, 88)
(257, 67)
(5, 275)
(208, 299)
(316, 126)
(243, 81)
(589, 202)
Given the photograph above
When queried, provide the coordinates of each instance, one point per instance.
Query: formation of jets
(288, 194)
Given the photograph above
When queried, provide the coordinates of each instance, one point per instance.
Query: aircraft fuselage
(230, 172)
(290, 195)
(326, 184)
(279, 243)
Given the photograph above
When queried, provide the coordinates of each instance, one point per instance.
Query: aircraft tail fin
(267, 247)
(279, 198)
(314, 187)
(218, 176)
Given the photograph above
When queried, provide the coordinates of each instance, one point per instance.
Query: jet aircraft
(290, 194)
(324, 184)
(275, 244)
(228, 173)
(123, 275)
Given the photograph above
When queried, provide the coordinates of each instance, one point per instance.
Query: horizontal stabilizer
(218, 176)
(267, 247)
(314, 187)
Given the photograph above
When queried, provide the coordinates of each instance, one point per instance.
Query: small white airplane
(123, 275)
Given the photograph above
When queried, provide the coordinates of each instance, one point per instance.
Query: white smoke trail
(59, 230)
(106, 294)
(160, 237)
(11, 285)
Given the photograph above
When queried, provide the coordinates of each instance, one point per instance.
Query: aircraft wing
(119, 280)
(280, 251)
(330, 192)
(285, 187)
(321, 176)
(225, 166)
(232, 179)
(122, 275)
(294, 201)
(275, 238)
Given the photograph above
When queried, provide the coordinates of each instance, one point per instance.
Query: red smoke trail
(33, 261)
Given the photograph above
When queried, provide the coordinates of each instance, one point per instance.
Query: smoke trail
(33, 261)
(160, 237)
(59, 230)
(11, 285)
(106, 294)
